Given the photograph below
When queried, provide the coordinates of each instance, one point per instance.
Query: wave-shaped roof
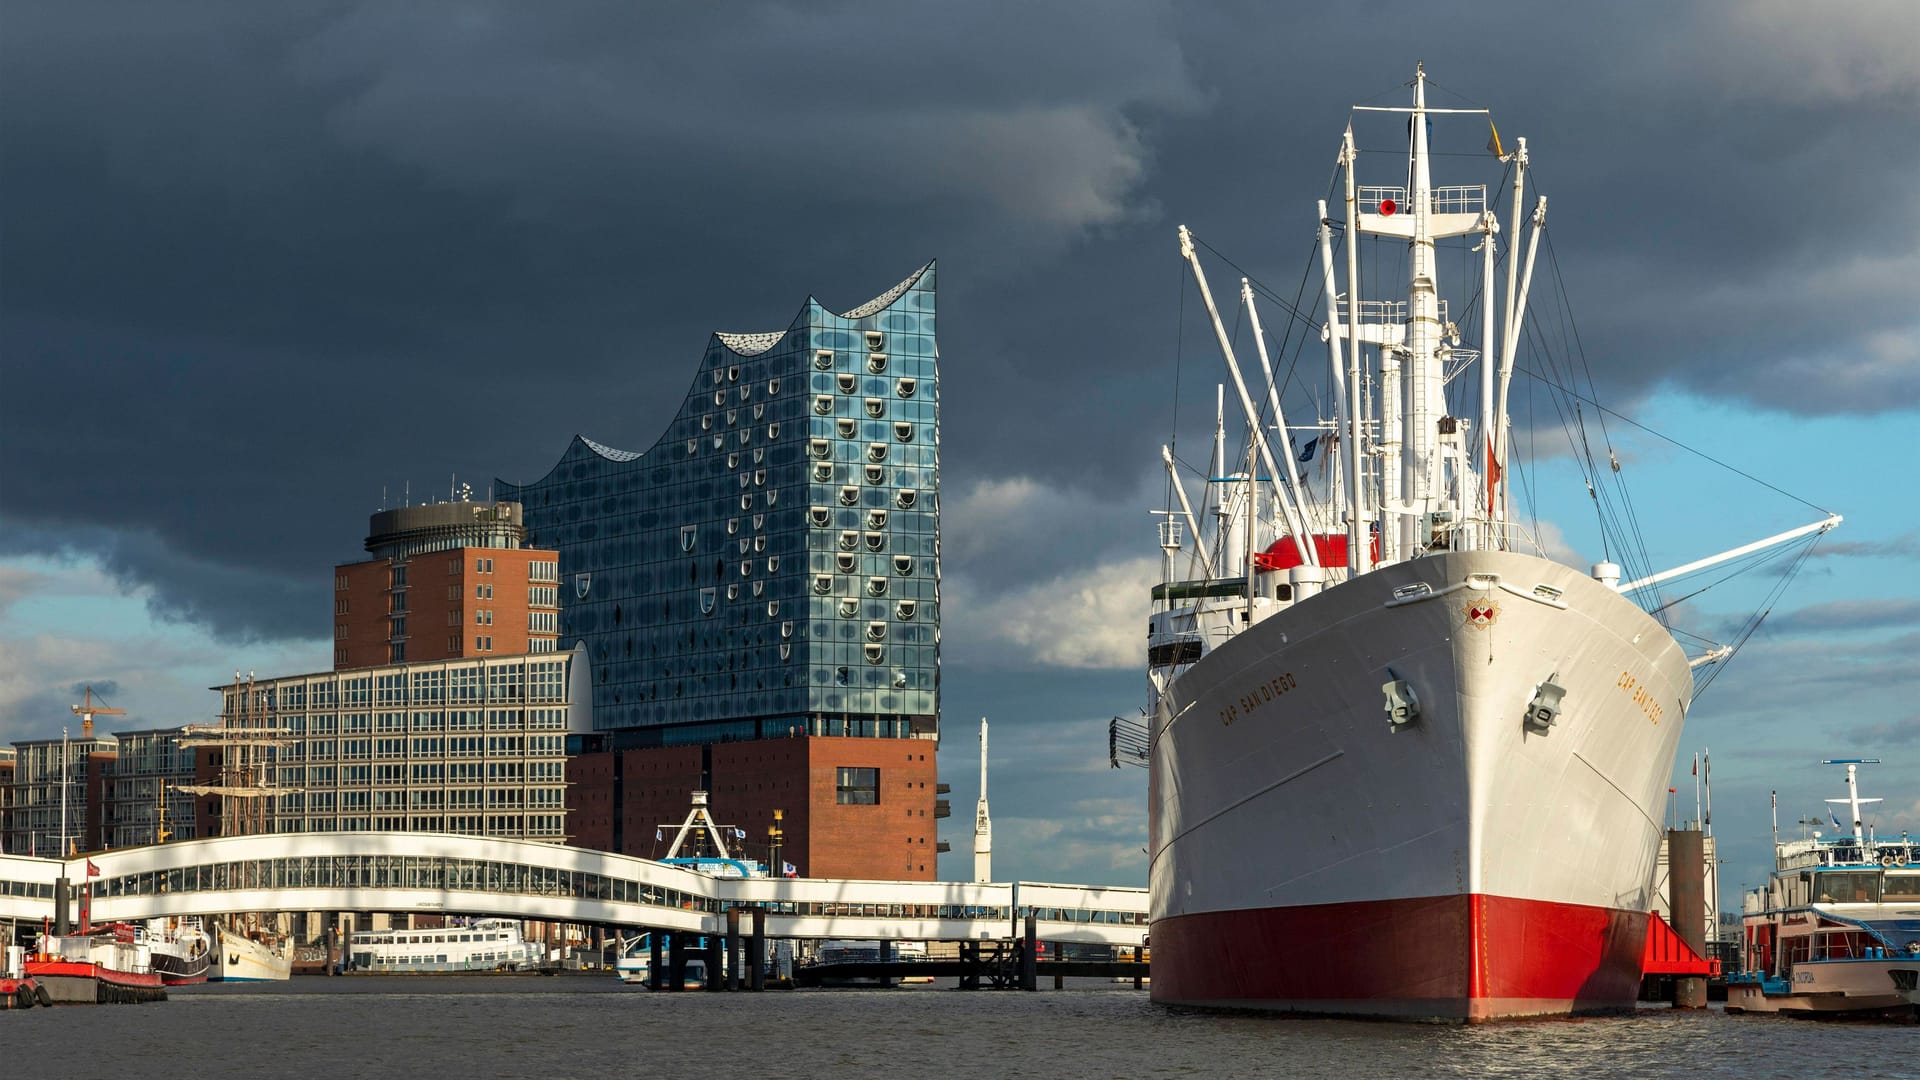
(609, 452)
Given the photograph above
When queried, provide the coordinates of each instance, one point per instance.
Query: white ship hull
(1308, 856)
(241, 959)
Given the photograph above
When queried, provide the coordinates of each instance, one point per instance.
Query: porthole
(877, 362)
(823, 359)
(876, 407)
(905, 387)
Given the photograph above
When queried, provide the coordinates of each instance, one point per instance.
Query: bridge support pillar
(734, 980)
(757, 952)
(1029, 955)
(656, 973)
(969, 965)
(886, 957)
(716, 973)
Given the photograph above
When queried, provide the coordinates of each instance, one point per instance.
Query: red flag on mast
(1493, 473)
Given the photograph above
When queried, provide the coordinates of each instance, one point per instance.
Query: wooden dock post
(654, 981)
(716, 974)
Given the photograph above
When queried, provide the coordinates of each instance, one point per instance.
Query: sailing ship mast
(248, 739)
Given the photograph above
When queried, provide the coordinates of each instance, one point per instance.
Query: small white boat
(485, 945)
(182, 950)
(1836, 930)
(255, 957)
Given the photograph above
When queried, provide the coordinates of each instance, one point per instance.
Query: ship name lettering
(1640, 696)
(1259, 695)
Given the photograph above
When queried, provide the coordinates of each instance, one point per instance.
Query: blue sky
(258, 265)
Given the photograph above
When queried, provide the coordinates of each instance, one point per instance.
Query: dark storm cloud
(261, 263)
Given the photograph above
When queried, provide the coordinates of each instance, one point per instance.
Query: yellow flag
(1493, 144)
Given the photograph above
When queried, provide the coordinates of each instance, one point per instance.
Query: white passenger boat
(485, 945)
(1836, 930)
(182, 950)
(1402, 763)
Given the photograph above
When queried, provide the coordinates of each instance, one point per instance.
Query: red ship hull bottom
(1465, 958)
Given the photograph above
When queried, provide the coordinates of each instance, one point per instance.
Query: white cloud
(1090, 618)
(1788, 51)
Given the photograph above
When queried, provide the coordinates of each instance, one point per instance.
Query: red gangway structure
(1667, 954)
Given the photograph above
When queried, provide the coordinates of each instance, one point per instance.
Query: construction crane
(87, 712)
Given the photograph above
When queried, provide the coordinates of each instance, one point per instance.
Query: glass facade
(771, 565)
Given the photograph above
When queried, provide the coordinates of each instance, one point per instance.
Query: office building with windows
(475, 745)
(768, 571)
(446, 580)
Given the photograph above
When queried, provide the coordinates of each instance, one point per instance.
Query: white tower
(982, 826)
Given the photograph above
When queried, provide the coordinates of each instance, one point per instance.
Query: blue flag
(1306, 452)
(1836, 820)
(658, 836)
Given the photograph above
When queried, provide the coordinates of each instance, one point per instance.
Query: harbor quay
(1002, 932)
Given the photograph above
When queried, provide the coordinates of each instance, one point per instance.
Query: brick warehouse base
(618, 799)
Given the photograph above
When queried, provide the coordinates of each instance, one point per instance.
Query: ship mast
(248, 740)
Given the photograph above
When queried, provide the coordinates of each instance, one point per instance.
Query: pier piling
(1686, 882)
(716, 975)
(757, 952)
(734, 981)
(1029, 955)
(654, 982)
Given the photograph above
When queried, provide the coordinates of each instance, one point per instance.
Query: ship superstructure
(1401, 763)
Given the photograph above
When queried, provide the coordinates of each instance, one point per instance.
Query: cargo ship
(1401, 763)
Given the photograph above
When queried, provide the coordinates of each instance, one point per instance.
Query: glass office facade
(771, 566)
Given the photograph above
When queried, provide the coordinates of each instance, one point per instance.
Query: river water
(585, 1026)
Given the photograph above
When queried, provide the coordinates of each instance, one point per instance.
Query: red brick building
(447, 580)
(851, 807)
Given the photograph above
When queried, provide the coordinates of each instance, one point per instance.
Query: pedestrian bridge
(443, 874)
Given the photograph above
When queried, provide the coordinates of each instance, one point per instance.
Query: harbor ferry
(1836, 930)
(485, 945)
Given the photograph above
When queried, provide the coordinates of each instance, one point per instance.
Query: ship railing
(1455, 199)
(1381, 312)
